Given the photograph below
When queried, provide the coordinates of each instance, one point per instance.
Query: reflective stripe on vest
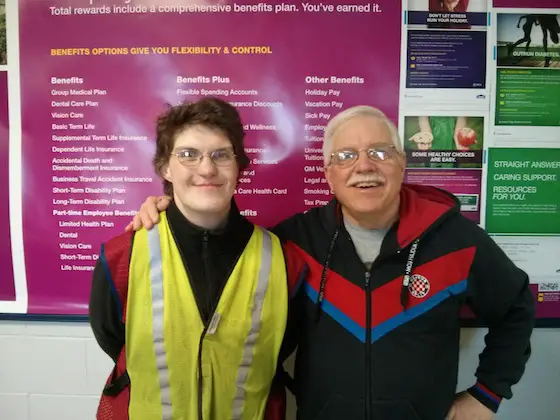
(262, 284)
(156, 276)
(239, 349)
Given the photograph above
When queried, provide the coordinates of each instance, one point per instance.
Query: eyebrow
(371, 146)
(195, 148)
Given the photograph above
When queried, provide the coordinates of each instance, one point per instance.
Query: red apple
(466, 137)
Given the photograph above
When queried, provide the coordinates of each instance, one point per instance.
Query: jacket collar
(219, 240)
(422, 208)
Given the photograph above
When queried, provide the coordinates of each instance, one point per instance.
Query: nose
(364, 163)
(206, 167)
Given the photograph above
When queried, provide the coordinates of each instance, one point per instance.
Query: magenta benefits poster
(89, 103)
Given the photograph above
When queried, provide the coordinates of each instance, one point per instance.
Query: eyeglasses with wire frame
(349, 155)
(193, 157)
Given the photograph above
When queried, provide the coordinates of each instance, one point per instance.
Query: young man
(390, 267)
(194, 311)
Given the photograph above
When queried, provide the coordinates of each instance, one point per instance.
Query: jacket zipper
(201, 341)
(368, 347)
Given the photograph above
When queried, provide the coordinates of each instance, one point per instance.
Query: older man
(390, 265)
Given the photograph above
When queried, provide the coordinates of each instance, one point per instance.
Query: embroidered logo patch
(419, 286)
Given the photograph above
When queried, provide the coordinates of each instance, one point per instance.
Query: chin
(366, 203)
(209, 204)
(367, 208)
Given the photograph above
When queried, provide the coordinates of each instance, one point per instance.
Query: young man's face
(202, 185)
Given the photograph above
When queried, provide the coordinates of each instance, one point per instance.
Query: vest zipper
(200, 417)
(212, 313)
(199, 359)
(368, 347)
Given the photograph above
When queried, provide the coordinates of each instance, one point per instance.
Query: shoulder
(303, 228)
(470, 230)
(286, 228)
(460, 232)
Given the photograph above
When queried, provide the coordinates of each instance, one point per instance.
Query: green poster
(529, 97)
(523, 191)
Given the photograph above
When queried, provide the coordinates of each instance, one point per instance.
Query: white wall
(50, 371)
(56, 372)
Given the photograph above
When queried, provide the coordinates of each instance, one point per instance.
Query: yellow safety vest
(167, 345)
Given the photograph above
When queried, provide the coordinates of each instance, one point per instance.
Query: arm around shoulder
(498, 293)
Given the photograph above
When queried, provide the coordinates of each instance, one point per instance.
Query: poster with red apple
(466, 137)
(445, 151)
(444, 141)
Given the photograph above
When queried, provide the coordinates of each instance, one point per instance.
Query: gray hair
(357, 111)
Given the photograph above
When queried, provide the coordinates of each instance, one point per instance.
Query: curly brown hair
(209, 112)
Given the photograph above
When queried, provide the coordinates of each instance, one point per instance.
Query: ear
(327, 171)
(166, 173)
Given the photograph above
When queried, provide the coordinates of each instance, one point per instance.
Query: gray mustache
(357, 179)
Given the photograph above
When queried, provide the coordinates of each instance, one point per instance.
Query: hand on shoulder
(148, 215)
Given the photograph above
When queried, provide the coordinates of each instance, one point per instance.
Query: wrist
(485, 396)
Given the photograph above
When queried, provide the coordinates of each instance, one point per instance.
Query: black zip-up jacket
(371, 348)
(209, 257)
